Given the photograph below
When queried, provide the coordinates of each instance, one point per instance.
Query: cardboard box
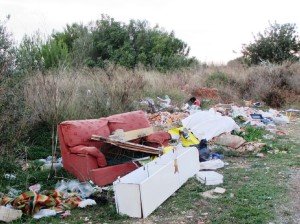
(140, 192)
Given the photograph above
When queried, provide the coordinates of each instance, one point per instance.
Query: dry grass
(88, 93)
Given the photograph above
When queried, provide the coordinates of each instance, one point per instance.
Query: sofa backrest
(79, 132)
(128, 121)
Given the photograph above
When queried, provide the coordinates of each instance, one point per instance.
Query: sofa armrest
(92, 151)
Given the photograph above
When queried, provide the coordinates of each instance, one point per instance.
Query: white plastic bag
(212, 164)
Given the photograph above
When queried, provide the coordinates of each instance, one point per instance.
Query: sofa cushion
(128, 121)
(79, 132)
(93, 151)
(158, 139)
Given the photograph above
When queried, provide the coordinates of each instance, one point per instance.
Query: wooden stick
(128, 145)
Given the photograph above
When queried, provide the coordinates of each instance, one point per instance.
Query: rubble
(166, 118)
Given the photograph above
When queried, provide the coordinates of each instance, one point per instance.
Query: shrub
(274, 98)
(277, 44)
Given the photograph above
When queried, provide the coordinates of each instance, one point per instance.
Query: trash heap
(192, 132)
(165, 118)
(66, 196)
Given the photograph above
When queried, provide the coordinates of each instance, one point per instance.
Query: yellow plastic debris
(188, 140)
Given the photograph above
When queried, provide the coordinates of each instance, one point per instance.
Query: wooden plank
(119, 134)
(128, 145)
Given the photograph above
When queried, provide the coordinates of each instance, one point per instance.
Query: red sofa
(85, 159)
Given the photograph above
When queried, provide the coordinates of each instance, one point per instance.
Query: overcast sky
(214, 29)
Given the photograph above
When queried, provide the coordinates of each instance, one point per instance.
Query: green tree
(138, 43)
(107, 41)
(278, 43)
(29, 54)
(55, 53)
(7, 52)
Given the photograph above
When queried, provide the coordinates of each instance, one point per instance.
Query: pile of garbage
(66, 196)
(189, 127)
(166, 118)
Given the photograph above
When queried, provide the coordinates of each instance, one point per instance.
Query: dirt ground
(290, 212)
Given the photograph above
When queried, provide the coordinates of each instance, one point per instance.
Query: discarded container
(209, 177)
(140, 192)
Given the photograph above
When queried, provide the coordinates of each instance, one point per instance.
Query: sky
(215, 30)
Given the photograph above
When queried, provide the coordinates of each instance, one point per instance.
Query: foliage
(29, 55)
(278, 43)
(216, 79)
(129, 45)
(7, 52)
(79, 42)
(13, 117)
(55, 54)
(253, 134)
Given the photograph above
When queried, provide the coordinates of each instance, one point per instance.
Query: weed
(253, 133)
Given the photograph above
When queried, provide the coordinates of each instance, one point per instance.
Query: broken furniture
(85, 158)
(140, 192)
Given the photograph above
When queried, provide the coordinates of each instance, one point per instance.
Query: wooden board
(119, 134)
(128, 145)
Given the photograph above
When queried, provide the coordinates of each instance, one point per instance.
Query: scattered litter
(51, 162)
(35, 188)
(229, 140)
(219, 190)
(212, 193)
(260, 155)
(165, 103)
(251, 147)
(280, 133)
(217, 156)
(203, 150)
(12, 192)
(211, 164)
(10, 176)
(163, 118)
(209, 194)
(85, 189)
(209, 124)
(209, 177)
(9, 214)
(86, 202)
(268, 136)
(47, 166)
(44, 213)
(65, 213)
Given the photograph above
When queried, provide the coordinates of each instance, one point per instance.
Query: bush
(274, 98)
(277, 44)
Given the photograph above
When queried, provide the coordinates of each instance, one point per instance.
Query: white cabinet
(140, 192)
